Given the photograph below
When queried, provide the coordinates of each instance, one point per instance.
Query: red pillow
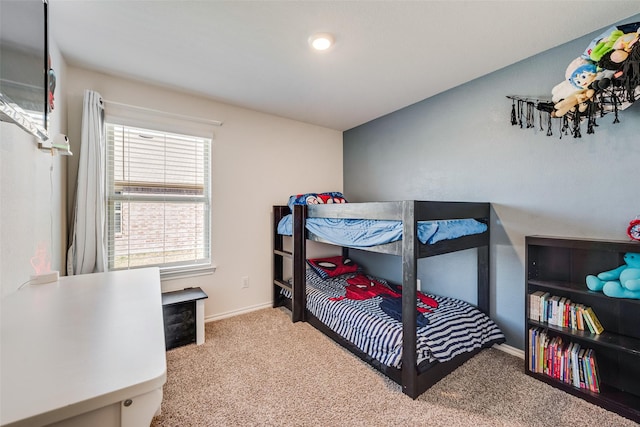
(333, 266)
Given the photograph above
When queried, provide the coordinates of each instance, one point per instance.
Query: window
(158, 199)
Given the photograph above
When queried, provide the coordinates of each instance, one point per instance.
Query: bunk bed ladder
(296, 286)
(279, 256)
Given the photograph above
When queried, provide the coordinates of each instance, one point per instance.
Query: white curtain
(87, 252)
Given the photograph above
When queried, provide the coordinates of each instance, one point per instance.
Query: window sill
(184, 272)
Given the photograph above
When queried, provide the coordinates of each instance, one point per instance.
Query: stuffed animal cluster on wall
(612, 60)
(605, 78)
(621, 282)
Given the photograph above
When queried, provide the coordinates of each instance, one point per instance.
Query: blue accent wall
(460, 146)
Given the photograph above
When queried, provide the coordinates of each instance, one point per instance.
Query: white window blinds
(158, 199)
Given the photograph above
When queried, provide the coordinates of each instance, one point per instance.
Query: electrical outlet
(245, 281)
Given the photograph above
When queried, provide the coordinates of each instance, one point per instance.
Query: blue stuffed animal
(621, 282)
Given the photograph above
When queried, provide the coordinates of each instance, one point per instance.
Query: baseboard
(233, 313)
(510, 350)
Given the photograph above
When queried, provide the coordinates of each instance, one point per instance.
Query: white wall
(32, 194)
(258, 161)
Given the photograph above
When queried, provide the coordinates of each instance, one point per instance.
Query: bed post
(409, 271)
(484, 287)
(484, 293)
(299, 298)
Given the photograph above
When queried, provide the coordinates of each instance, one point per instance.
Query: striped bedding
(454, 327)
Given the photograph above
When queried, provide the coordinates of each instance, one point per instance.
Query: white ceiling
(254, 54)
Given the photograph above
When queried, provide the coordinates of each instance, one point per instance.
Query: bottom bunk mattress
(367, 312)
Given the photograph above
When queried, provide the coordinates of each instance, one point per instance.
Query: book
(587, 321)
(554, 301)
(595, 322)
(543, 306)
(567, 313)
(581, 368)
(564, 317)
(542, 353)
(572, 314)
(534, 305)
(594, 370)
(564, 362)
(579, 319)
(561, 305)
(587, 371)
(533, 332)
(575, 370)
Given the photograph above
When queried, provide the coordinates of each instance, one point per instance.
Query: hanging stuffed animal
(622, 61)
(579, 75)
(619, 52)
(603, 45)
(578, 99)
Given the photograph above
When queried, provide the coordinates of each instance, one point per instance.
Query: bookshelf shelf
(559, 266)
(609, 397)
(606, 339)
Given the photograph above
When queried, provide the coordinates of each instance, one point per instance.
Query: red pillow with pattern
(333, 266)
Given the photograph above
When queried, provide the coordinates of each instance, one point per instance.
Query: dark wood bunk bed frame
(413, 379)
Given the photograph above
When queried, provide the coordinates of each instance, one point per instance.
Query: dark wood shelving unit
(559, 266)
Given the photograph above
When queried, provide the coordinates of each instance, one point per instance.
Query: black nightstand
(183, 313)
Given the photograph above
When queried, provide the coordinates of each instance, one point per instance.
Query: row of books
(561, 311)
(565, 361)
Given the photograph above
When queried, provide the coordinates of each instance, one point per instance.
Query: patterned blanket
(367, 312)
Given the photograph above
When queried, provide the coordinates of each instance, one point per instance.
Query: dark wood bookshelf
(559, 265)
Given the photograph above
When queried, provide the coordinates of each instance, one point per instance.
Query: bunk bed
(413, 375)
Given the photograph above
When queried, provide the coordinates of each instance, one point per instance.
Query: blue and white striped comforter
(454, 327)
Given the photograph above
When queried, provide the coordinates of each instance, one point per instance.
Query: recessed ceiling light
(321, 41)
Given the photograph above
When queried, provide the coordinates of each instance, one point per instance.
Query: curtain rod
(163, 113)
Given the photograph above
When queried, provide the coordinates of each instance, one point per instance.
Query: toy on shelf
(621, 282)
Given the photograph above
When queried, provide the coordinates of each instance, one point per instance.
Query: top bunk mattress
(368, 232)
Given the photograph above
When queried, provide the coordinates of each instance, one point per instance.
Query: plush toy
(561, 91)
(581, 72)
(578, 99)
(575, 91)
(615, 58)
(605, 45)
(621, 282)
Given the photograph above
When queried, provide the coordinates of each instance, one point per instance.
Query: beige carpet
(259, 369)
